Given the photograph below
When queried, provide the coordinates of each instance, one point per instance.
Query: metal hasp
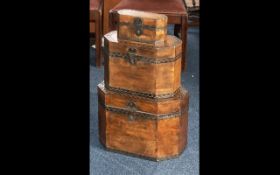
(138, 26)
(132, 108)
(130, 56)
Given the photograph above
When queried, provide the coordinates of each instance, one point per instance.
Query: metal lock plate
(130, 56)
(138, 26)
(131, 108)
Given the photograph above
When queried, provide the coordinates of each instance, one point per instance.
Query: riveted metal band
(147, 60)
(143, 94)
(139, 95)
(140, 40)
(142, 115)
(148, 27)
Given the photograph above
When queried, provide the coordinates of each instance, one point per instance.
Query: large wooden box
(155, 129)
(138, 68)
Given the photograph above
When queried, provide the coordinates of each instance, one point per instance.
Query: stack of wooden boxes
(142, 107)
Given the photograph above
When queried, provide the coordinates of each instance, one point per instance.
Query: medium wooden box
(151, 128)
(140, 68)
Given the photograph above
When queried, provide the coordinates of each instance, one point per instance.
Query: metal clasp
(130, 56)
(138, 26)
(131, 108)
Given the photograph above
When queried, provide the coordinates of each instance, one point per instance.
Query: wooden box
(155, 129)
(142, 108)
(144, 27)
(140, 68)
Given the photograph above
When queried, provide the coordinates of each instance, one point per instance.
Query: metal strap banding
(131, 94)
(143, 115)
(148, 27)
(147, 59)
(140, 40)
(143, 94)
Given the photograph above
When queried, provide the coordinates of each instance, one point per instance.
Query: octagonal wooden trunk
(153, 128)
(140, 68)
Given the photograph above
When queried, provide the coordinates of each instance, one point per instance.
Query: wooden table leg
(177, 30)
(98, 41)
(184, 41)
(113, 21)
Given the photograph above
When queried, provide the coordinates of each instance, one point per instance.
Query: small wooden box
(151, 128)
(144, 27)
